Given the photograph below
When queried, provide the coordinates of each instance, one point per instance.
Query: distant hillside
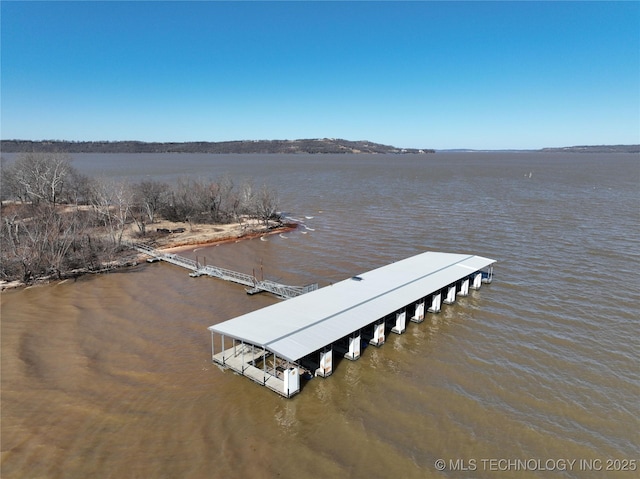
(319, 145)
(595, 149)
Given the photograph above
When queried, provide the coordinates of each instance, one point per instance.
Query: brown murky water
(110, 376)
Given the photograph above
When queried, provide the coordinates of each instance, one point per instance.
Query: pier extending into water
(277, 345)
(254, 285)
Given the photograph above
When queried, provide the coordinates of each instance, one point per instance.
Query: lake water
(110, 375)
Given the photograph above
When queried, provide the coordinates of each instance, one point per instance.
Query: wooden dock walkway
(254, 285)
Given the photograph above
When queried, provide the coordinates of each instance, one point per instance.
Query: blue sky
(484, 75)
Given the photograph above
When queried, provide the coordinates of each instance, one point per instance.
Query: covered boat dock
(273, 346)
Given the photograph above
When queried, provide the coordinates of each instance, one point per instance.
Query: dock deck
(242, 359)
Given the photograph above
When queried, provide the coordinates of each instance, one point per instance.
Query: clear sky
(484, 75)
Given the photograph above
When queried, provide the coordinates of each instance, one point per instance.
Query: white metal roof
(299, 326)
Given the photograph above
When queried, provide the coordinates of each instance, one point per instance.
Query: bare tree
(5, 180)
(60, 231)
(205, 199)
(230, 198)
(233, 203)
(266, 204)
(26, 239)
(39, 177)
(247, 198)
(183, 203)
(77, 188)
(150, 197)
(11, 264)
(39, 242)
(12, 188)
(112, 202)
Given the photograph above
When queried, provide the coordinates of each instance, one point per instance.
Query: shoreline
(203, 243)
(211, 236)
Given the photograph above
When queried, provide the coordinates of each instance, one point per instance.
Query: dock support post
(213, 353)
(451, 294)
(291, 381)
(378, 334)
(464, 287)
(325, 368)
(418, 316)
(354, 347)
(489, 275)
(401, 321)
(436, 300)
(242, 352)
(477, 280)
(264, 366)
(275, 365)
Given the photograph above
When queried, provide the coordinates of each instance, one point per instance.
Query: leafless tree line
(56, 220)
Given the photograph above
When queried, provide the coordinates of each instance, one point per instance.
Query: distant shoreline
(308, 146)
(566, 149)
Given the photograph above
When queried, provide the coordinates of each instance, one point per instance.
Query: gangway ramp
(253, 284)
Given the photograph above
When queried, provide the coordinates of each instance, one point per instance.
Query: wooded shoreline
(57, 222)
